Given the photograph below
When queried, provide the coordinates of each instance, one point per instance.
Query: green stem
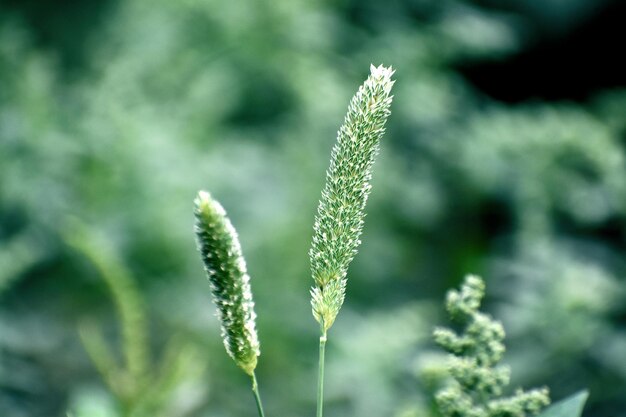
(320, 378)
(257, 396)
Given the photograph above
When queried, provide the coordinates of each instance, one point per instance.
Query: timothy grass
(230, 284)
(477, 381)
(337, 229)
(341, 211)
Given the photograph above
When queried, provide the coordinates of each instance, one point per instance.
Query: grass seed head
(230, 283)
(340, 214)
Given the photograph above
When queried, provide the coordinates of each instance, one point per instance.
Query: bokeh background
(504, 157)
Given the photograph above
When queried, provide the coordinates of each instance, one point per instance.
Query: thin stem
(320, 378)
(257, 396)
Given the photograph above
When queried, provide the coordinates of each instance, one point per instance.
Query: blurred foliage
(141, 389)
(116, 112)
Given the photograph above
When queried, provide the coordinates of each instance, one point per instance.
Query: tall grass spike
(340, 214)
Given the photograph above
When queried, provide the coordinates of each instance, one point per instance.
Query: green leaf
(572, 406)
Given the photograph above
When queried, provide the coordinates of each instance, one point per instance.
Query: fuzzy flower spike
(339, 219)
(230, 283)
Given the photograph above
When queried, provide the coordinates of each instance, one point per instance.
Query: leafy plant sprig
(477, 378)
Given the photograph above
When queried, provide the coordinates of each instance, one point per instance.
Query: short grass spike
(230, 283)
(340, 214)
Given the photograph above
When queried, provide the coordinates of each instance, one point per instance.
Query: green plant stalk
(257, 396)
(320, 376)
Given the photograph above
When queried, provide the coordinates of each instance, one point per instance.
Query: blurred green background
(504, 157)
